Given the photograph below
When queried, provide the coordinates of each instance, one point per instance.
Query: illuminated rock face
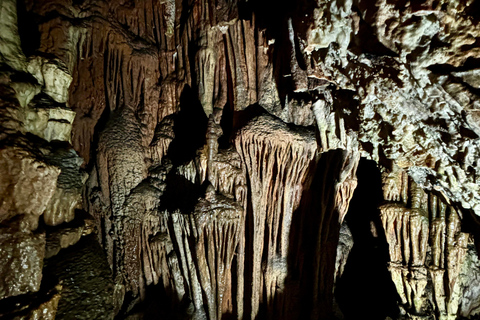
(202, 159)
(427, 249)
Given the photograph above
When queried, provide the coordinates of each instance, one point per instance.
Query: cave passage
(201, 159)
(366, 287)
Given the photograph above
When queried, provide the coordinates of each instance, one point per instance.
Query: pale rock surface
(52, 75)
(470, 77)
(332, 23)
(25, 92)
(470, 277)
(10, 46)
(50, 123)
(426, 244)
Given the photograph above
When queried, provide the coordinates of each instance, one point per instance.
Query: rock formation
(239, 159)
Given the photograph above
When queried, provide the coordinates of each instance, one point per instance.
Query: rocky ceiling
(235, 159)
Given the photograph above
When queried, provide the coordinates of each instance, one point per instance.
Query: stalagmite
(198, 159)
(117, 180)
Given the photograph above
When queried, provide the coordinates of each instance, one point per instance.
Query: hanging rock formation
(427, 249)
(199, 159)
(277, 159)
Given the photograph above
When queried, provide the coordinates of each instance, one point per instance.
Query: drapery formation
(198, 159)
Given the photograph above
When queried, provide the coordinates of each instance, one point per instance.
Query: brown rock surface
(21, 261)
(215, 146)
(27, 185)
(86, 280)
(40, 305)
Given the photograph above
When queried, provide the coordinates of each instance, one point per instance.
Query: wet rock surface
(87, 286)
(21, 258)
(39, 305)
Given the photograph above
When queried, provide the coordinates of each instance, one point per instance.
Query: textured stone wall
(197, 159)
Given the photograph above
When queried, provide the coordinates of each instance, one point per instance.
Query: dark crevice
(180, 194)
(189, 129)
(365, 41)
(366, 286)
(444, 69)
(27, 29)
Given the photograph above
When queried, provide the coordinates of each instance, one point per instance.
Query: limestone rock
(45, 311)
(27, 185)
(40, 305)
(345, 244)
(292, 148)
(222, 141)
(10, 46)
(25, 92)
(332, 23)
(68, 194)
(52, 75)
(66, 237)
(86, 279)
(471, 77)
(50, 124)
(426, 226)
(21, 262)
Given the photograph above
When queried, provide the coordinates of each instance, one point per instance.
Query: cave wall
(200, 159)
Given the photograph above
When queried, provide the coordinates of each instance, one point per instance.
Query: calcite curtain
(239, 159)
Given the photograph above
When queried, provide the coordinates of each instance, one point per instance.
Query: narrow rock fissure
(365, 286)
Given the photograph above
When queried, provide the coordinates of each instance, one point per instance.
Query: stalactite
(414, 225)
(346, 184)
(206, 242)
(333, 210)
(164, 135)
(240, 62)
(205, 69)
(223, 171)
(239, 215)
(345, 244)
(277, 159)
(299, 76)
(331, 129)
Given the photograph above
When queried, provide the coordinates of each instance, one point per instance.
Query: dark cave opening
(365, 287)
(190, 126)
(27, 29)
